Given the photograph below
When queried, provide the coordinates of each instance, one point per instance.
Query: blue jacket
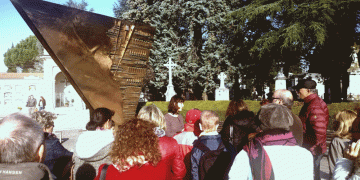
(54, 151)
(210, 141)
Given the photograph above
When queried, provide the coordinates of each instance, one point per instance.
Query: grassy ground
(221, 106)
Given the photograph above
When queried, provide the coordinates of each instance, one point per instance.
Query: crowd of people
(272, 143)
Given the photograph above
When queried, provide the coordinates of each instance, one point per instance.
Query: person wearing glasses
(315, 118)
(285, 97)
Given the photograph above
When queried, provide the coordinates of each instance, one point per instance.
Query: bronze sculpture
(105, 59)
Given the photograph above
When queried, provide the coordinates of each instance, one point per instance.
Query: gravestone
(354, 79)
(280, 80)
(170, 92)
(222, 93)
(320, 86)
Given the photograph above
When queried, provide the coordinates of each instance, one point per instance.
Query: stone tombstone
(354, 79)
(222, 93)
(280, 80)
(170, 92)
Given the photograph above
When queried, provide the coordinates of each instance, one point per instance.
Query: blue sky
(13, 28)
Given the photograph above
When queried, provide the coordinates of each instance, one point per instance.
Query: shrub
(221, 106)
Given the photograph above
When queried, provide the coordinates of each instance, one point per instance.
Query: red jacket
(186, 140)
(171, 165)
(315, 118)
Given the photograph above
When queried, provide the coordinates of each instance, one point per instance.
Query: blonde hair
(345, 119)
(153, 114)
(209, 120)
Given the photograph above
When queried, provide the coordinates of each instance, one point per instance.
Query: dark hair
(100, 117)
(44, 118)
(21, 139)
(243, 124)
(173, 104)
(43, 100)
(236, 106)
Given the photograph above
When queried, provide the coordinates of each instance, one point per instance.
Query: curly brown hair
(135, 144)
(236, 106)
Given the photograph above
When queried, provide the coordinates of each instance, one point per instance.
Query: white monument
(170, 92)
(320, 86)
(222, 93)
(354, 79)
(280, 80)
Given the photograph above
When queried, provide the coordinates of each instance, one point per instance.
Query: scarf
(259, 160)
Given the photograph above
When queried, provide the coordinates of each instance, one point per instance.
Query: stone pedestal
(222, 94)
(170, 92)
(354, 86)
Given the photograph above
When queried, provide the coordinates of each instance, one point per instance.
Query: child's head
(209, 121)
(343, 123)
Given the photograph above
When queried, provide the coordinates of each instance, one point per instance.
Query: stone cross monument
(222, 93)
(280, 79)
(222, 76)
(170, 92)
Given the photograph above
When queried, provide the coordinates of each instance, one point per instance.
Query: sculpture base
(170, 92)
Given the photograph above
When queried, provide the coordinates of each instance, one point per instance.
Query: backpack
(215, 164)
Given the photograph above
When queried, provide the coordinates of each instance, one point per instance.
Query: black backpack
(215, 164)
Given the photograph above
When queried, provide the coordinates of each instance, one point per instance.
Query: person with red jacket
(315, 118)
(188, 136)
(142, 151)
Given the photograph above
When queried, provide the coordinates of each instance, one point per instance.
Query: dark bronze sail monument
(104, 58)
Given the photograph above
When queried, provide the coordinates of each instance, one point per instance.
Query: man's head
(209, 121)
(305, 88)
(21, 140)
(283, 97)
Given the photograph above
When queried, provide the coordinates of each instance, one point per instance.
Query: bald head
(283, 97)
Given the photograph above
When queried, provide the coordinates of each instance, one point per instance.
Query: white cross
(170, 65)
(222, 76)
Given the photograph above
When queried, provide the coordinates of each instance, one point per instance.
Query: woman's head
(343, 123)
(153, 114)
(176, 104)
(45, 119)
(209, 121)
(236, 106)
(100, 117)
(242, 125)
(135, 144)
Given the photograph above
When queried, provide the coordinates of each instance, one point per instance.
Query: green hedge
(221, 106)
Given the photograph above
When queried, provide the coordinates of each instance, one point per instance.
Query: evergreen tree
(24, 55)
(287, 31)
(120, 8)
(81, 5)
(194, 34)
